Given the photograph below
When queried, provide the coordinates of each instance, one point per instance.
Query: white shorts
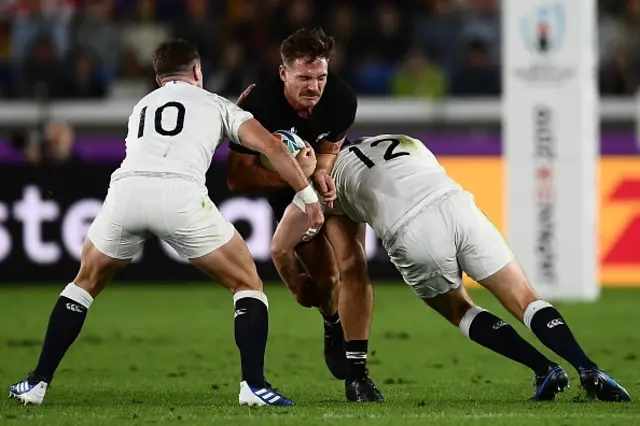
(173, 209)
(452, 236)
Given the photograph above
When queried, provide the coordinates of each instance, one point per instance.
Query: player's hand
(244, 94)
(307, 160)
(315, 218)
(325, 185)
(306, 291)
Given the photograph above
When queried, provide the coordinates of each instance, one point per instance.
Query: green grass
(165, 355)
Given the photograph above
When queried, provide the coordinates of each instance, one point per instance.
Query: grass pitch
(166, 355)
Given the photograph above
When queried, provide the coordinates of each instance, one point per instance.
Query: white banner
(551, 133)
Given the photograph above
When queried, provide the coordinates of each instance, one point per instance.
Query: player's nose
(313, 86)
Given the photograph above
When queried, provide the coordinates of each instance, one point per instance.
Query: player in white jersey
(433, 232)
(160, 190)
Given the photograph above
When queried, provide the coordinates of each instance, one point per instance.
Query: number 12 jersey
(383, 180)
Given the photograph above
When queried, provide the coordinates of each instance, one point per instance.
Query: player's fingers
(330, 193)
(321, 186)
(248, 89)
(305, 151)
(245, 93)
(310, 233)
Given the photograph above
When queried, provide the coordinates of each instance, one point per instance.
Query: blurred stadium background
(70, 70)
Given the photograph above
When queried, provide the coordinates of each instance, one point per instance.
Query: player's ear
(282, 71)
(158, 81)
(195, 71)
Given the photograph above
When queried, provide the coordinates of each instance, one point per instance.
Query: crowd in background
(418, 48)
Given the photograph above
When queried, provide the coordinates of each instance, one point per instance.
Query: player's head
(177, 60)
(305, 62)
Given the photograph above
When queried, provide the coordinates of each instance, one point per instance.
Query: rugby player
(159, 189)
(433, 231)
(307, 99)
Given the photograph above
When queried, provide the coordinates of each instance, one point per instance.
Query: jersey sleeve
(346, 106)
(232, 118)
(250, 105)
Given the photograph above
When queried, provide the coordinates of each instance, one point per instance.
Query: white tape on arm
(308, 195)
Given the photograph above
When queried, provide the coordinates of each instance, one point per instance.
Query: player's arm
(245, 174)
(252, 135)
(242, 128)
(328, 149)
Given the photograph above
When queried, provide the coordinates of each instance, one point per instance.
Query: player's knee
(328, 281)
(452, 305)
(89, 280)
(278, 250)
(459, 311)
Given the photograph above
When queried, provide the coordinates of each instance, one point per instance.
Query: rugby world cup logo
(543, 30)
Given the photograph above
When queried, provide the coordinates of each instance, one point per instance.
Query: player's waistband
(158, 175)
(414, 212)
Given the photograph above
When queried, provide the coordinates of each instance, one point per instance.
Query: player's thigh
(118, 231)
(231, 265)
(511, 286)
(482, 250)
(189, 221)
(425, 255)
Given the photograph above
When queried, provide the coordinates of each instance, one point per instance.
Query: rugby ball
(291, 141)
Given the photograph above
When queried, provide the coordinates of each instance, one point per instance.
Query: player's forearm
(245, 176)
(326, 155)
(255, 137)
(286, 166)
(325, 162)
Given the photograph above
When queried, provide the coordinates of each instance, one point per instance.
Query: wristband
(308, 195)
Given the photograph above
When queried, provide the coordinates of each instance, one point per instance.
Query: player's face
(304, 81)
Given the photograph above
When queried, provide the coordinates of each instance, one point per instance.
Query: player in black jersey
(319, 107)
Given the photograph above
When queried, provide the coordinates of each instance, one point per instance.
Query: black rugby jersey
(330, 119)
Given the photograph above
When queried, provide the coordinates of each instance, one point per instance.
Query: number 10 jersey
(176, 129)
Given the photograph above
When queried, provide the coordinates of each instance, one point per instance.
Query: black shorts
(279, 201)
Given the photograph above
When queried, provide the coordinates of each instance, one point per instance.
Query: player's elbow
(233, 183)
(237, 168)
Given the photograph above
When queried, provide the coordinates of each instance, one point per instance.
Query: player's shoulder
(340, 95)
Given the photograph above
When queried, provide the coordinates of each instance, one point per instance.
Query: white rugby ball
(291, 141)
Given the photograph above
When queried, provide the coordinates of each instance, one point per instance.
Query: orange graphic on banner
(619, 212)
(625, 249)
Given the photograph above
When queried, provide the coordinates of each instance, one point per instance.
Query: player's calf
(66, 321)
(497, 335)
(317, 257)
(512, 288)
(232, 265)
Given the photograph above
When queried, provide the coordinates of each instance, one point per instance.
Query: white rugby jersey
(381, 180)
(176, 129)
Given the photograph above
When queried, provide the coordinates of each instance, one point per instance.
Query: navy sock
(552, 330)
(493, 333)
